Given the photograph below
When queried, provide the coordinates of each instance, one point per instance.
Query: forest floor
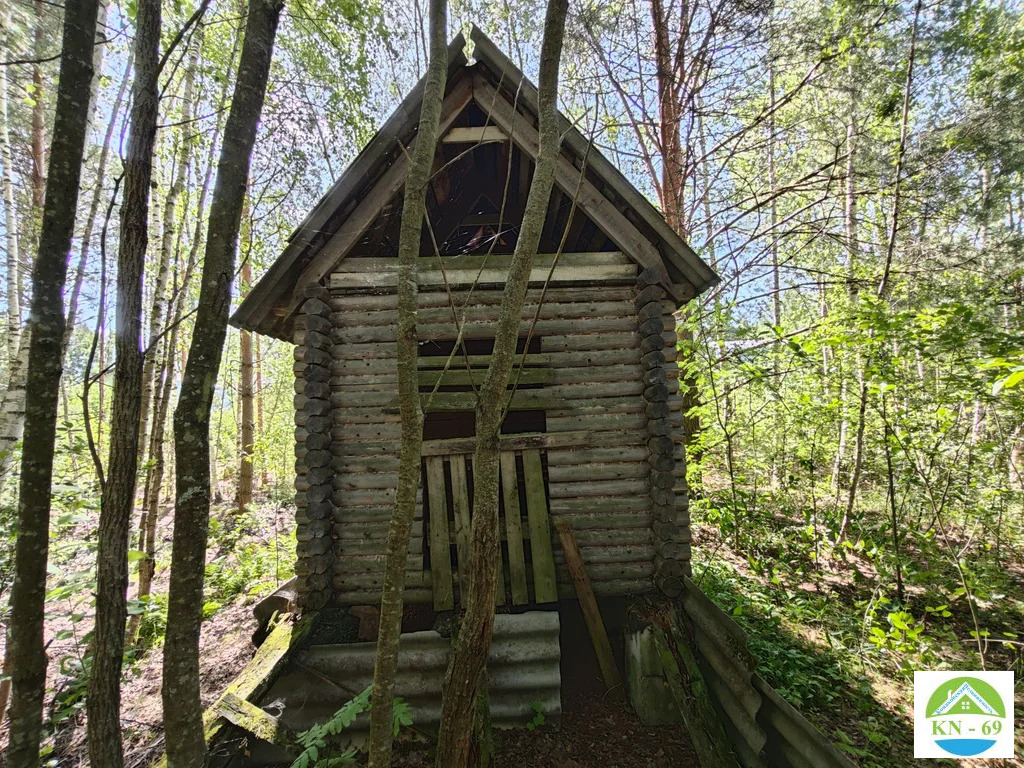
(596, 730)
(824, 636)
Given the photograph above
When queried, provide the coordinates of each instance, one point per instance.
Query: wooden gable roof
(497, 87)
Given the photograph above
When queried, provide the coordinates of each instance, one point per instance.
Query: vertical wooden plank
(545, 587)
(440, 553)
(585, 593)
(499, 587)
(460, 501)
(513, 529)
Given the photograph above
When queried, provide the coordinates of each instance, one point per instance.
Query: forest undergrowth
(250, 555)
(829, 632)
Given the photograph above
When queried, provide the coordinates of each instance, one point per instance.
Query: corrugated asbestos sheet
(792, 740)
(522, 669)
(728, 668)
(764, 729)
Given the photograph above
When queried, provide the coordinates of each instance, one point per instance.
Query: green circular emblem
(966, 713)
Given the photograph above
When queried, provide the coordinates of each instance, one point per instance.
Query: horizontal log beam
(473, 135)
(538, 275)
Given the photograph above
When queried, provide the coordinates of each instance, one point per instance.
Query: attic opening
(476, 199)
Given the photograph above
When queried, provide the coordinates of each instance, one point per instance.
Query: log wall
(666, 456)
(313, 472)
(596, 383)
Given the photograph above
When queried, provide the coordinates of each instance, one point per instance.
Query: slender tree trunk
(168, 241)
(12, 405)
(97, 62)
(26, 655)
(777, 456)
(891, 492)
(150, 518)
(245, 373)
(469, 656)
(669, 119)
(118, 498)
(411, 413)
(258, 367)
(850, 230)
(890, 252)
(10, 423)
(14, 270)
(673, 182)
(183, 716)
(154, 478)
(94, 206)
(39, 114)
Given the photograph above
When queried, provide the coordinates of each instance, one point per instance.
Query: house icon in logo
(965, 700)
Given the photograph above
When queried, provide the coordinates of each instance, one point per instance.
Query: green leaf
(1009, 382)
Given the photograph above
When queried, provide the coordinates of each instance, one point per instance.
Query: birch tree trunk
(12, 405)
(469, 655)
(94, 206)
(167, 243)
(118, 496)
(183, 715)
(150, 518)
(38, 147)
(14, 282)
(26, 655)
(97, 62)
(411, 413)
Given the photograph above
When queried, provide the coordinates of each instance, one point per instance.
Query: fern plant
(314, 741)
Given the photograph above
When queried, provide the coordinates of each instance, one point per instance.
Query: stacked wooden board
(526, 568)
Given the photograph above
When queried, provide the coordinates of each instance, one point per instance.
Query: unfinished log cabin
(593, 430)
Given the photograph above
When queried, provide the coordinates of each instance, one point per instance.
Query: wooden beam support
(545, 583)
(518, 442)
(588, 602)
(440, 554)
(459, 376)
(258, 674)
(618, 273)
(690, 691)
(484, 134)
(501, 261)
(522, 400)
(478, 361)
(513, 529)
(461, 504)
(254, 720)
